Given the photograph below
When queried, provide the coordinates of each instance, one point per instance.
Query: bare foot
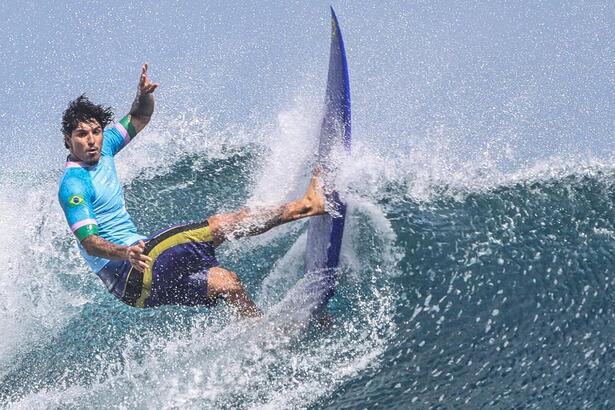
(314, 197)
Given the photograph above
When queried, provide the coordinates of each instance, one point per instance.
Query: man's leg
(226, 284)
(249, 222)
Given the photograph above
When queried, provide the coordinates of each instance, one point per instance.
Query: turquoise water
(490, 290)
(478, 265)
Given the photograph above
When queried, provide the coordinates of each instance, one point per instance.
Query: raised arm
(143, 105)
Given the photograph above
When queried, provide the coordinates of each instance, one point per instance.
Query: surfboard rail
(325, 233)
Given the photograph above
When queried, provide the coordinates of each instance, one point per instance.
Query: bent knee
(213, 222)
(218, 226)
(220, 281)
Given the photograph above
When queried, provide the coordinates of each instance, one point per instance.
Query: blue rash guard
(93, 199)
(93, 202)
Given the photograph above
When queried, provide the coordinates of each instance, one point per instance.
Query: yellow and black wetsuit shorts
(181, 258)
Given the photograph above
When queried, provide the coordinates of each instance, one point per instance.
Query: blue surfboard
(324, 238)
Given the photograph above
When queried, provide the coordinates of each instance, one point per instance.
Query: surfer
(176, 266)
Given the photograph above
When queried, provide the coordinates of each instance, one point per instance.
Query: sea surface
(478, 262)
(488, 290)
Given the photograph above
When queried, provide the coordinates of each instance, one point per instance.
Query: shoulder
(114, 139)
(74, 181)
(116, 131)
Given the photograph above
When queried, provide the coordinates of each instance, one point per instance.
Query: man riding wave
(176, 266)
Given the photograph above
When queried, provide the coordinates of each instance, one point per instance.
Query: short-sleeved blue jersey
(93, 199)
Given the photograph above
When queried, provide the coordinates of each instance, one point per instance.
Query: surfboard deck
(325, 233)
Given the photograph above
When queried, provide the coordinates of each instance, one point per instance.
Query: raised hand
(145, 85)
(143, 106)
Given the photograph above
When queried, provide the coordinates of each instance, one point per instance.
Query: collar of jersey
(78, 164)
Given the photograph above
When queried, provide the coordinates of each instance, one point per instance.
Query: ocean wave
(456, 273)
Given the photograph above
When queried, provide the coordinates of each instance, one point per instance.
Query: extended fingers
(143, 76)
(149, 87)
(145, 85)
(144, 72)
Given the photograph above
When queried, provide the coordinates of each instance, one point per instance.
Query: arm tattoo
(143, 105)
(97, 246)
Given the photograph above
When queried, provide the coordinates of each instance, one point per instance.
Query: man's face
(85, 142)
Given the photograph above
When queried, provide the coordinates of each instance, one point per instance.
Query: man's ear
(66, 138)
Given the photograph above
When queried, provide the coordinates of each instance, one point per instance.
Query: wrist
(143, 105)
(126, 253)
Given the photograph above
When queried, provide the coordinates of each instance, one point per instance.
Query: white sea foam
(292, 146)
(257, 365)
(33, 301)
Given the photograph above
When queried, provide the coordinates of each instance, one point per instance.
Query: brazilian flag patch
(75, 200)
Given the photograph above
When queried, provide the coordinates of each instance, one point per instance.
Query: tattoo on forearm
(254, 221)
(102, 248)
(143, 105)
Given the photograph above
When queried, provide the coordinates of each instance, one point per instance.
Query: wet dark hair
(83, 110)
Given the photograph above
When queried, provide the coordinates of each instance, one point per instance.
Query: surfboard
(324, 237)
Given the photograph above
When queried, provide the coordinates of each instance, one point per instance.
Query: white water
(214, 361)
